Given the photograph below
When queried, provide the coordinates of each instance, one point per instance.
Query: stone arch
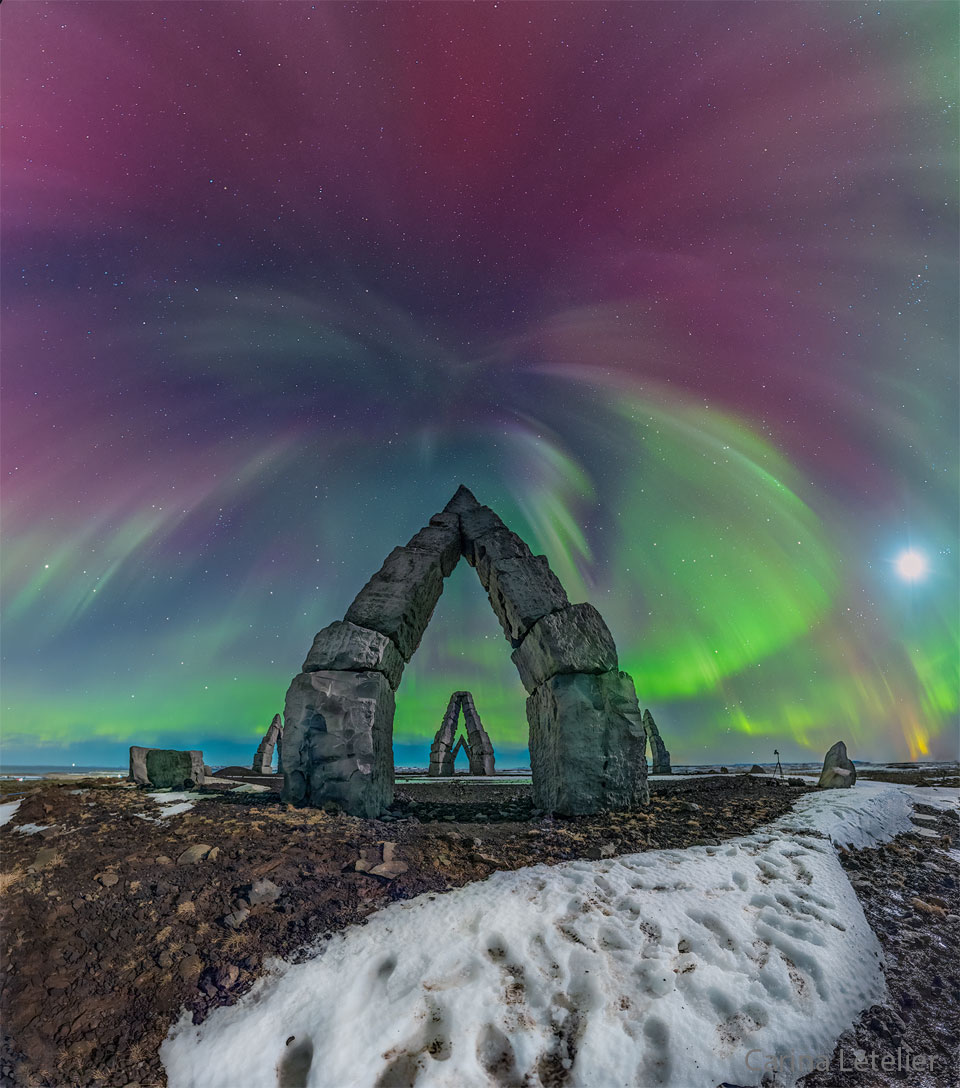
(443, 752)
(587, 738)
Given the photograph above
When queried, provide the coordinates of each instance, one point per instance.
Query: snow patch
(659, 968)
(7, 810)
(173, 803)
(32, 829)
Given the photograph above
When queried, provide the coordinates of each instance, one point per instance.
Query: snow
(659, 968)
(173, 803)
(33, 829)
(7, 810)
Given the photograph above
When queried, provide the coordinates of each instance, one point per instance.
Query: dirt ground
(109, 928)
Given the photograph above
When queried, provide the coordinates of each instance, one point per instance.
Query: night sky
(672, 288)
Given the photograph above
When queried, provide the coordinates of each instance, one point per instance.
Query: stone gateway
(587, 737)
(443, 752)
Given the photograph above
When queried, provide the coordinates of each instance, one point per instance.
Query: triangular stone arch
(443, 752)
(586, 739)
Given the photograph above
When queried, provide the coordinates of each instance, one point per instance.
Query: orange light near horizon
(917, 738)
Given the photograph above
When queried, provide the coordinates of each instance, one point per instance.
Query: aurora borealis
(670, 287)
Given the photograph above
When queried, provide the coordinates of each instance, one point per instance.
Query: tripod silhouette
(778, 769)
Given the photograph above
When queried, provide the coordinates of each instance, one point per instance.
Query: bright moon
(912, 566)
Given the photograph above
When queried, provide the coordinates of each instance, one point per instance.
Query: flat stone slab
(345, 646)
(522, 591)
(337, 736)
(399, 599)
(573, 640)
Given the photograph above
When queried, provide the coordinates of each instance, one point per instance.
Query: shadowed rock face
(659, 756)
(838, 770)
(263, 759)
(587, 737)
(443, 751)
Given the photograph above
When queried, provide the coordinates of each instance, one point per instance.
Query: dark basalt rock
(521, 592)
(346, 646)
(574, 639)
(399, 599)
(838, 769)
(336, 741)
(587, 744)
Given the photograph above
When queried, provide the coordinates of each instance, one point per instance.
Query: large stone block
(587, 744)
(574, 639)
(521, 591)
(399, 599)
(165, 768)
(440, 538)
(337, 741)
(345, 646)
(493, 545)
(838, 769)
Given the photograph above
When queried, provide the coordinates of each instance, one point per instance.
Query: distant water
(38, 770)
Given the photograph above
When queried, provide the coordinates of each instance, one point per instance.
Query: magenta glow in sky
(671, 287)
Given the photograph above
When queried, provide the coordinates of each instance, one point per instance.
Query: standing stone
(263, 760)
(659, 756)
(165, 768)
(337, 737)
(838, 769)
(587, 744)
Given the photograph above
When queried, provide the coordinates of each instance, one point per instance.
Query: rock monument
(263, 760)
(479, 750)
(838, 769)
(659, 756)
(587, 739)
(165, 768)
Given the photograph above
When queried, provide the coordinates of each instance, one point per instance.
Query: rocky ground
(114, 918)
(910, 893)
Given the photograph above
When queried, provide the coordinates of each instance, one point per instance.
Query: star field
(670, 287)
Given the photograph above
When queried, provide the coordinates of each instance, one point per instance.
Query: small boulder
(236, 918)
(756, 769)
(838, 770)
(200, 851)
(107, 879)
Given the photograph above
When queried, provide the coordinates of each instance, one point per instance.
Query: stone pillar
(441, 751)
(479, 750)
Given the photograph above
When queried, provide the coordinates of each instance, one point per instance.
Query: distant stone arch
(443, 752)
(587, 738)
